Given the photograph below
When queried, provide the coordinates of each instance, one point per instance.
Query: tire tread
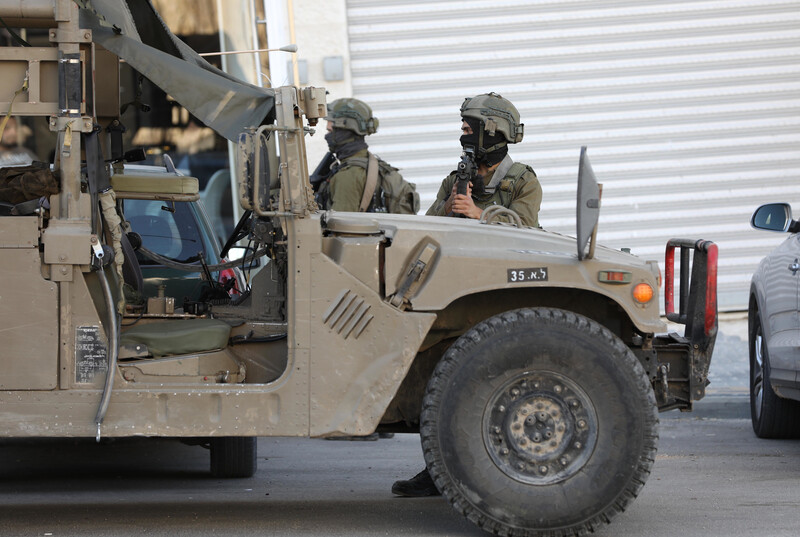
(501, 323)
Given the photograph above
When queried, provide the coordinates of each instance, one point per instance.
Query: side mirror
(256, 176)
(773, 217)
(588, 209)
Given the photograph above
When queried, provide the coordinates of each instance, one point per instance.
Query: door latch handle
(794, 267)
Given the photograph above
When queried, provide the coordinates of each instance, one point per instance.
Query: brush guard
(683, 361)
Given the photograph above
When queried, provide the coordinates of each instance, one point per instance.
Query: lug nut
(543, 469)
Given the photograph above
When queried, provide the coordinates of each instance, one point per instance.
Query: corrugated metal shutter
(690, 109)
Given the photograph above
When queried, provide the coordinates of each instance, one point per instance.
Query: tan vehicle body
(368, 303)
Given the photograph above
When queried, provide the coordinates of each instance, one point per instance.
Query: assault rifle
(322, 171)
(466, 171)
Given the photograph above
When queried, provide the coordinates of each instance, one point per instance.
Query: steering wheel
(241, 230)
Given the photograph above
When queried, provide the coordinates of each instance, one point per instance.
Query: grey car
(774, 329)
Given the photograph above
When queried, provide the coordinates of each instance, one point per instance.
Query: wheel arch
(469, 310)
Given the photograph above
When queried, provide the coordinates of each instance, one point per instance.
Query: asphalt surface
(712, 478)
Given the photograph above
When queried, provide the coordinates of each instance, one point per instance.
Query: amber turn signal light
(643, 293)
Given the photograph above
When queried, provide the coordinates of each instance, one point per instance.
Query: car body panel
(776, 289)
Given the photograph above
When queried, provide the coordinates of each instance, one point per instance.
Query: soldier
(349, 185)
(489, 124)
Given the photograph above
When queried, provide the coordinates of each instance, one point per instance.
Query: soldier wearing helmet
(489, 124)
(349, 122)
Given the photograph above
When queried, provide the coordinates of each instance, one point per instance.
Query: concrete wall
(321, 31)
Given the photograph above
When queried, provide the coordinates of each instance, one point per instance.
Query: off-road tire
(233, 457)
(509, 382)
(772, 416)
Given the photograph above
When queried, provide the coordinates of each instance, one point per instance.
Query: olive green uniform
(346, 186)
(506, 186)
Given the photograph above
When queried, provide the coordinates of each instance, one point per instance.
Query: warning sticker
(90, 354)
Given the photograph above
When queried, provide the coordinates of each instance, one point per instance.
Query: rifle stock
(322, 171)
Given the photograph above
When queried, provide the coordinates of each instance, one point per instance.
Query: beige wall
(320, 31)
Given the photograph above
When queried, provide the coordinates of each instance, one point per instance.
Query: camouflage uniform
(520, 192)
(346, 185)
(494, 122)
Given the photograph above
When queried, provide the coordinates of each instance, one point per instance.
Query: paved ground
(712, 478)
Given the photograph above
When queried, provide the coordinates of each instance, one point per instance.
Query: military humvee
(532, 364)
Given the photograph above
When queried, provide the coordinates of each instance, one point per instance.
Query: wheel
(233, 456)
(539, 422)
(772, 416)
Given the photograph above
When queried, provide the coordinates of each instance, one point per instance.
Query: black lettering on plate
(90, 354)
(536, 274)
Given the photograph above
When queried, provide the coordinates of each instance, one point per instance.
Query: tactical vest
(392, 194)
(505, 188)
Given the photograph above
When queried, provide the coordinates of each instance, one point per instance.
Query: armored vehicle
(533, 365)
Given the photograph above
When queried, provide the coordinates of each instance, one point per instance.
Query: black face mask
(336, 138)
(344, 143)
(474, 140)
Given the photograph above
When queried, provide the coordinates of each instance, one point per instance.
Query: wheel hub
(540, 428)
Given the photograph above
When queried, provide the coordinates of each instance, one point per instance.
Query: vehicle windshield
(168, 229)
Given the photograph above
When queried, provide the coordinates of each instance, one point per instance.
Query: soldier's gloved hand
(462, 204)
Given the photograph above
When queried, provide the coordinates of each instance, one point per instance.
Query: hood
(466, 237)
(471, 257)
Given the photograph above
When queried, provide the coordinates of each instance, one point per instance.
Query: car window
(171, 234)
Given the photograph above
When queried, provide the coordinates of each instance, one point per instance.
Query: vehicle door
(781, 311)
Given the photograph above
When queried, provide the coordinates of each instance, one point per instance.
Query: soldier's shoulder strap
(516, 171)
(371, 184)
(361, 162)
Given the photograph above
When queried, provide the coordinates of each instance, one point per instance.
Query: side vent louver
(347, 314)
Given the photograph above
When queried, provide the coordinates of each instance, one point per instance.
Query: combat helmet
(496, 114)
(353, 115)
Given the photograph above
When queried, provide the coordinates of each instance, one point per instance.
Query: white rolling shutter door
(690, 109)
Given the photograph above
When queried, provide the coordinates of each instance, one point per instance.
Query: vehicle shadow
(162, 487)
